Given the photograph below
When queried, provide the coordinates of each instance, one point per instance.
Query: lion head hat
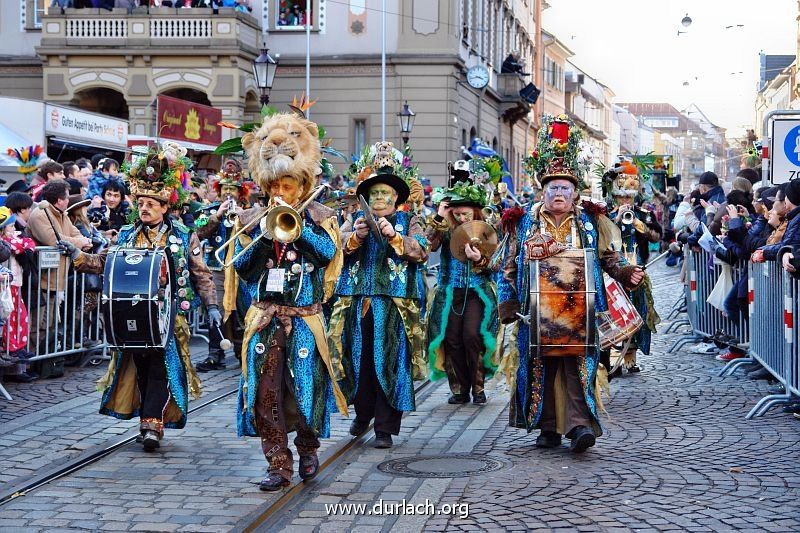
(286, 145)
(381, 164)
(162, 173)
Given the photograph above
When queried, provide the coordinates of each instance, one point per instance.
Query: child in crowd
(15, 332)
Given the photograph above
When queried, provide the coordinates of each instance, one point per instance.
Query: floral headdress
(560, 153)
(28, 157)
(162, 174)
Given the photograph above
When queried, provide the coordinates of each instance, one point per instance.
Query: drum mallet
(225, 344)
(655, 260)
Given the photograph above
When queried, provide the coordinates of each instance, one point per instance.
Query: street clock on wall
(478, 76)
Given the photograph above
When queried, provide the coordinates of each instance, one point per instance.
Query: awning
(84, 145)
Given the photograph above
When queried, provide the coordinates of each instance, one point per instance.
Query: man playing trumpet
(214, 231)
(290, 264)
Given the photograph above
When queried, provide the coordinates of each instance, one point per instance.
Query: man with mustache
(555, 386)
(375, 326)
(289, 383)
(155, 384)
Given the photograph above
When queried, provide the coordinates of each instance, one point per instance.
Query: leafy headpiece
(163, 174)
(560, 153)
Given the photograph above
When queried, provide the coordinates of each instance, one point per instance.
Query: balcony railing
(158, 28)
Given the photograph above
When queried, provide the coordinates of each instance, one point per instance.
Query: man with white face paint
(375, 326)
(555, 391)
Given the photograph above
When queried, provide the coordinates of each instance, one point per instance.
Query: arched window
(102, 100)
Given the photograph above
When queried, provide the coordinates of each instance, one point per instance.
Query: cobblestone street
(677, 454)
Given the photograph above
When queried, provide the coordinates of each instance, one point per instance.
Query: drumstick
(655, 260)
(224, 343)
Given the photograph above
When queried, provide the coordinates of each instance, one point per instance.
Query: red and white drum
(621, 321)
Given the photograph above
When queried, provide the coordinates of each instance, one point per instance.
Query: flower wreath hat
(560, 153)
(161, 173)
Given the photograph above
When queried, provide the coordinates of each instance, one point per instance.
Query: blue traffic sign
(791, 146)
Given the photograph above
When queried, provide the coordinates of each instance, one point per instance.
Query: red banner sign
(189, 122)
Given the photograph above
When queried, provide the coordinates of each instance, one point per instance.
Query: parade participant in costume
(375, 325)
(553, 387)
(638, 229)
(289, 380)
(153, 384)
(462, 322)
(214, 231)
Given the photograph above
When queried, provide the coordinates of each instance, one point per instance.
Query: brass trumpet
(230, 216)
(282, 223)
(628, 217)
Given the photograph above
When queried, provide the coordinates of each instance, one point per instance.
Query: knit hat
(709, 178)
(793, 192)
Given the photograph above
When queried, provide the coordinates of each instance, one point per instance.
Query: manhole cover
(440, 466)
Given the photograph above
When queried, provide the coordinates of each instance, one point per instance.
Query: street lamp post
(406, 118)
(264, 68)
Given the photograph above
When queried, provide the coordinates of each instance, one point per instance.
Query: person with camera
(111, 212)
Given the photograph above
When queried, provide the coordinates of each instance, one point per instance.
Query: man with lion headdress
(289, 382)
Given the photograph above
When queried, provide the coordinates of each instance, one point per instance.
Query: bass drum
(138, 301)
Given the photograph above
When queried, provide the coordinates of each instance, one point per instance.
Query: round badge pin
(260, 348)
(589, 226)
(398, 227)
(303, 353)
(181, 282)
(182, 293)
(296, 268)
(291, 255)
(174, 248)
(270, 263)
(309, 267)
(181, 262)
(218, 239)
(173, 239)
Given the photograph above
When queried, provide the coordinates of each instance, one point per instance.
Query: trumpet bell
(283, 224)
(628, 217)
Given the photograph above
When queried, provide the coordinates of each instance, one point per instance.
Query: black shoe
(761, 373)
(582, 439)
(634, 370)
(548, 439)
(358, 428)
(457, 399)
(150, 441)
(139, 438)
(793, 407)
(25, 377)
(210, 364)
(273, 482)
(309, 466)
(479, 399)
(382, 440)
(615, 374)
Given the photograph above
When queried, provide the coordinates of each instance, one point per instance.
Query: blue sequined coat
(513, 291)
(382, 277)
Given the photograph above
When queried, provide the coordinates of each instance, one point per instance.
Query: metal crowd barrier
(59, 324)
(770, 334)
(773, 295)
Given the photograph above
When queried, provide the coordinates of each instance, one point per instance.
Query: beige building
(117, 63)
(556, 55)
(430, 47)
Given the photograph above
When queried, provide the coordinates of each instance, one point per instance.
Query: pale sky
(632, 46)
